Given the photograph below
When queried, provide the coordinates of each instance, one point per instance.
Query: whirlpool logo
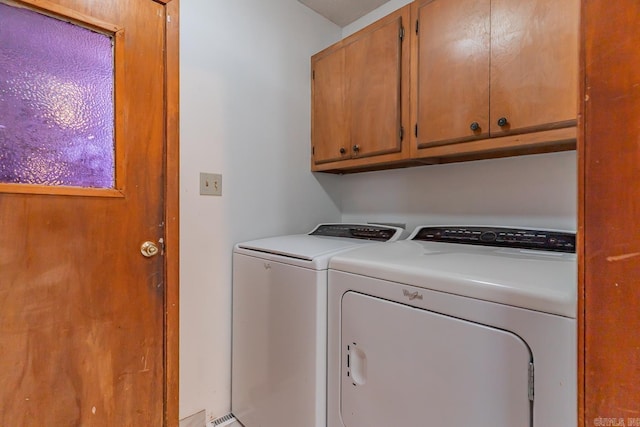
(411, 295)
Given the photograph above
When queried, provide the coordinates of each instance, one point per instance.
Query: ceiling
(343, 12)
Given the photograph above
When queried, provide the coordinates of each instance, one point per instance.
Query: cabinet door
(451, 64)
(373, 71)
(534, 65)
(329, 131)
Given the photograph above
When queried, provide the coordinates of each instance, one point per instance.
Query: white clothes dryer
(279, 326)
(455, 326)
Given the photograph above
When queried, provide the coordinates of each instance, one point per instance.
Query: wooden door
(609, 215)
(534, 65)
(329, 131)
(82, 310)
(452, 68)
(374, 69)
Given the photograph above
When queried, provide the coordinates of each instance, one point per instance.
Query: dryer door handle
(358, 363)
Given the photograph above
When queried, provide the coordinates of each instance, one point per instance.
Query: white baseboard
(195, 420)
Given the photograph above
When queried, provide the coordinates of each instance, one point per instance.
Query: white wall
(527, 191)
(245, 108)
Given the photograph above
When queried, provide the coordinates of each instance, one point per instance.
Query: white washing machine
(279, 337)
(455, 326)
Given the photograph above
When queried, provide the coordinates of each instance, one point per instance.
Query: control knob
(488, 236)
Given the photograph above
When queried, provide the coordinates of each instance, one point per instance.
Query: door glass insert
(56, 102)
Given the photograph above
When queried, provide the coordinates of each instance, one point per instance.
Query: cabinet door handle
(356, 148)
(474, 126)
(342, 150)
(502, 121)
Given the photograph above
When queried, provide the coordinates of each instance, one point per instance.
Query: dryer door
(404, 366)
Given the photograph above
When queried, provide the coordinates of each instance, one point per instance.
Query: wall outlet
(210, 184)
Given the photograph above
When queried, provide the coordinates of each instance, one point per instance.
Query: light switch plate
(210, 184)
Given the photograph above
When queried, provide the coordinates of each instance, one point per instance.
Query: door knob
(502, 121)
(474, 126)
(149, 249)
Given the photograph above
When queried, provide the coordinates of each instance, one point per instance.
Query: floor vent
(224, 421)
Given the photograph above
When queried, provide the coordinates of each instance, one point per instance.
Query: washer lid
(536, 280)
(313, 250)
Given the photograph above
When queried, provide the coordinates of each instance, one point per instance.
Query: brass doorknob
(149, 249)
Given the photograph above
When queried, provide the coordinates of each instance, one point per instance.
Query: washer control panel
(545, 240)
(357, 231)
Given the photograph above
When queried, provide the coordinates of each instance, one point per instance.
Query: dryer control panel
(357, 231)
(545, 240)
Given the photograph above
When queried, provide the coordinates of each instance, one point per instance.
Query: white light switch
(210, 184)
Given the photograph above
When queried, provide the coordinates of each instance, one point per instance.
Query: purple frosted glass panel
(56, 102)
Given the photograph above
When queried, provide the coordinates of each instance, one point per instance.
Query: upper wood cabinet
(360, 97)
(493, 74)
(470, 79)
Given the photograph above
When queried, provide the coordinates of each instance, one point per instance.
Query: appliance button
(488, 236)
